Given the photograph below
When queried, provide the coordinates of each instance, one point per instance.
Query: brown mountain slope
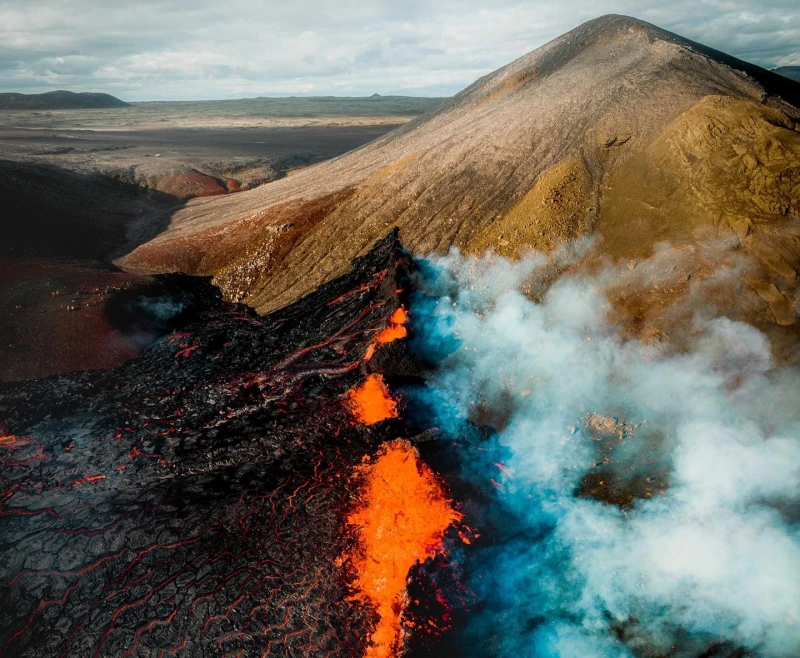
(616, 129)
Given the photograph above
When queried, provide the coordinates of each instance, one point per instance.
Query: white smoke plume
(703, 556)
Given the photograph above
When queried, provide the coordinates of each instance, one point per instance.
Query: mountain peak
(615, 23)
(526, 157)
(612, 40)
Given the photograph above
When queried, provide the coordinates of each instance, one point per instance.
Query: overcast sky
(190, 49)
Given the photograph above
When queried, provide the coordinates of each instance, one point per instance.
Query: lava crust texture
(190, 502)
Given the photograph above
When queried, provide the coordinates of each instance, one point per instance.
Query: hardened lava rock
(190, 502)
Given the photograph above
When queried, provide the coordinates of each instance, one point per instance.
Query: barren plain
(81, 187)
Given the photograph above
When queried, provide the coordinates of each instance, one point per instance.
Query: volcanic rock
(193, 500)
(190, 185)
(617, 130)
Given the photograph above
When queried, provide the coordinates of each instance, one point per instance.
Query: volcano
(294, 465)
(617, 130)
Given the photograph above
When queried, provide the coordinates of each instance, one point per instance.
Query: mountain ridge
(526, 157)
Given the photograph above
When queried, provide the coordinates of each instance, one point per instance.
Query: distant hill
(791, 72)
(59, 100)
(322, 106)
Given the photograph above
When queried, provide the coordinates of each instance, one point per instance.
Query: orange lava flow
(371, 402)
(90, 478)
(402, 521)
(395, 331)
(396, 328)
(392, 332)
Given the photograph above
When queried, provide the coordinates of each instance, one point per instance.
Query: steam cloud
(704, 557)
(150, 317)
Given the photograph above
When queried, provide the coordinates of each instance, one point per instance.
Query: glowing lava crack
(191, 501)
(401, 521)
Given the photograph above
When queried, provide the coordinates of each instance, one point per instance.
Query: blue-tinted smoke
(651, 499)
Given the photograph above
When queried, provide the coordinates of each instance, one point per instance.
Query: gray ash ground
(190, 501)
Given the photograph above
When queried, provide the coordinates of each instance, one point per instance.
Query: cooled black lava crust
(190, 502)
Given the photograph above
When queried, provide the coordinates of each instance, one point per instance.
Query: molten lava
(371, 402)
(395, 331)
(401, 521)
(396, 328)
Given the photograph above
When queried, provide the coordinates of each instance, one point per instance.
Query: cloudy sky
(191, 49)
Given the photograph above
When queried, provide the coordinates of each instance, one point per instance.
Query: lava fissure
(400, 521)
(179, 505)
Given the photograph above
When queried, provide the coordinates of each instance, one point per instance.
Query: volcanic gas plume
(638, 500)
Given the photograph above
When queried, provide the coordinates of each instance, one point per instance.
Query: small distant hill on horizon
(791, 72)
(59, 100)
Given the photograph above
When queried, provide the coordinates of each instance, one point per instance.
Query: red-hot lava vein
(193, 502)
(401, 514)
